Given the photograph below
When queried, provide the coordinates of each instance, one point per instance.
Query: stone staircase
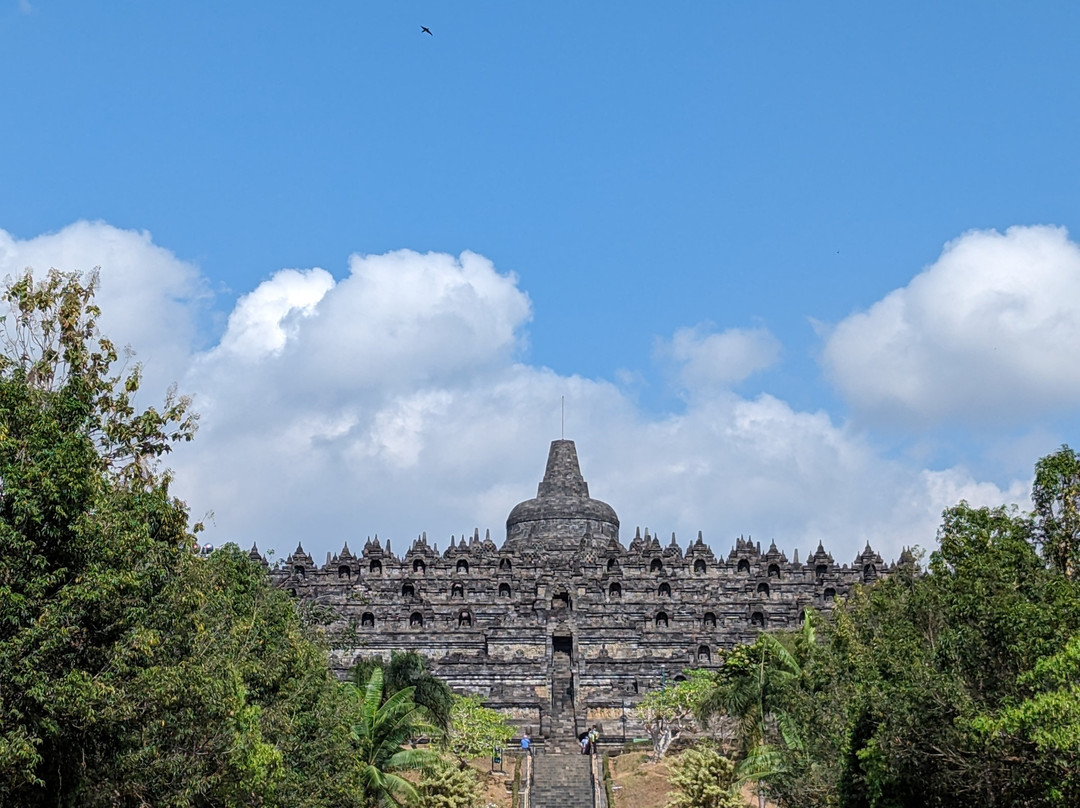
(561, 781)
(562, 776)
(562, 736)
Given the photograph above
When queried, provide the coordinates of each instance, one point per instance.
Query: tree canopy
(133, 672)
(953, 685)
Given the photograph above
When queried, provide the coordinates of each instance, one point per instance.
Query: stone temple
(564, 625)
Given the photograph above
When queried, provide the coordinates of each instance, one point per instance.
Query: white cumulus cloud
(989, 332)
(149, 298)
(707, 360)
(397, 400)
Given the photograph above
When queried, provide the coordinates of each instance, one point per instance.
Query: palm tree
(410, 669)
(381, 735)
(752, 693)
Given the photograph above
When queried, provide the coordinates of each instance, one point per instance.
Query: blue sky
(654, 176)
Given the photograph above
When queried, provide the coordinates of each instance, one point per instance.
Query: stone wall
(626, 617)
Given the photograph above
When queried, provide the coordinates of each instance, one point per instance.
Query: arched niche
(419, 567)
(416, 620)
(613, 565)
(344, 572)
(408, 590)
(464, 619)
(763, 589)
(699, 565)
(821, 570)
(664, 590)
(869, 574)
(656, 565)
(463, 566)
(375, 567)
(367, 620)
(757, 620)
(743, 567)
(504, 590)
(829, 595)
(505, 565)
(457, 590)
(774, 571)
(704, 654)
(661, 620)
(709, 620)
(614, 590)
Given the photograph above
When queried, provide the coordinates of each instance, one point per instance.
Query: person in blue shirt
(526, 744)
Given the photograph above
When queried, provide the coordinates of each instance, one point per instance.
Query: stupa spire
(562, 477)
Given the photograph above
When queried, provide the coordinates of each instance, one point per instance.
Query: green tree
(89, 535)
(932, 663)
(235, 702)
(132, 672)
(384, 729)
(475, 729)
(754, 688)
(703, 778)
(448, 786)
(1056, 495)
(410, 669)
(668, 712)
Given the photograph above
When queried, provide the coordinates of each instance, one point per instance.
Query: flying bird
(425, 30)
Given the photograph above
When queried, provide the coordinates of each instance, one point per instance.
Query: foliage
(666, 713)
(703, 778)
(938, 689)
(475, 729)
(410, 669)
(1056, 495)
(54, 354)
(132, 672)
(89, 536)
(957, 685)
(239, 704)
(383, 730)
(751, 688)
(756, 688)
(449, 786)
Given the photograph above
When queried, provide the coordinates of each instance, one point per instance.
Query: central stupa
(562, 513)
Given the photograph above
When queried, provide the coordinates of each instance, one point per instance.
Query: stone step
(561, 781)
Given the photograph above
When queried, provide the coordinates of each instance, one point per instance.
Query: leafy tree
(448, 786)
(382, 732)
(1056, 494)
(932, 669)
(238, 706)
(703, 778)
(754, 687)
(475, 729)
(89, 535)
(1046, 722)
(666, 713)
(132, 672)
(410, 669)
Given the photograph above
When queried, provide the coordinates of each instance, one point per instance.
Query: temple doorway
(562, 645)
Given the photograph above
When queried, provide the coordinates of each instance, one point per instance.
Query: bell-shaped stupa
(562, 511)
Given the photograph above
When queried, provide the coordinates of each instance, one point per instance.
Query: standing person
(526, 744)
(594, 734)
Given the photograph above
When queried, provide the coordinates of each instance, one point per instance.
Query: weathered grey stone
(564, 616)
